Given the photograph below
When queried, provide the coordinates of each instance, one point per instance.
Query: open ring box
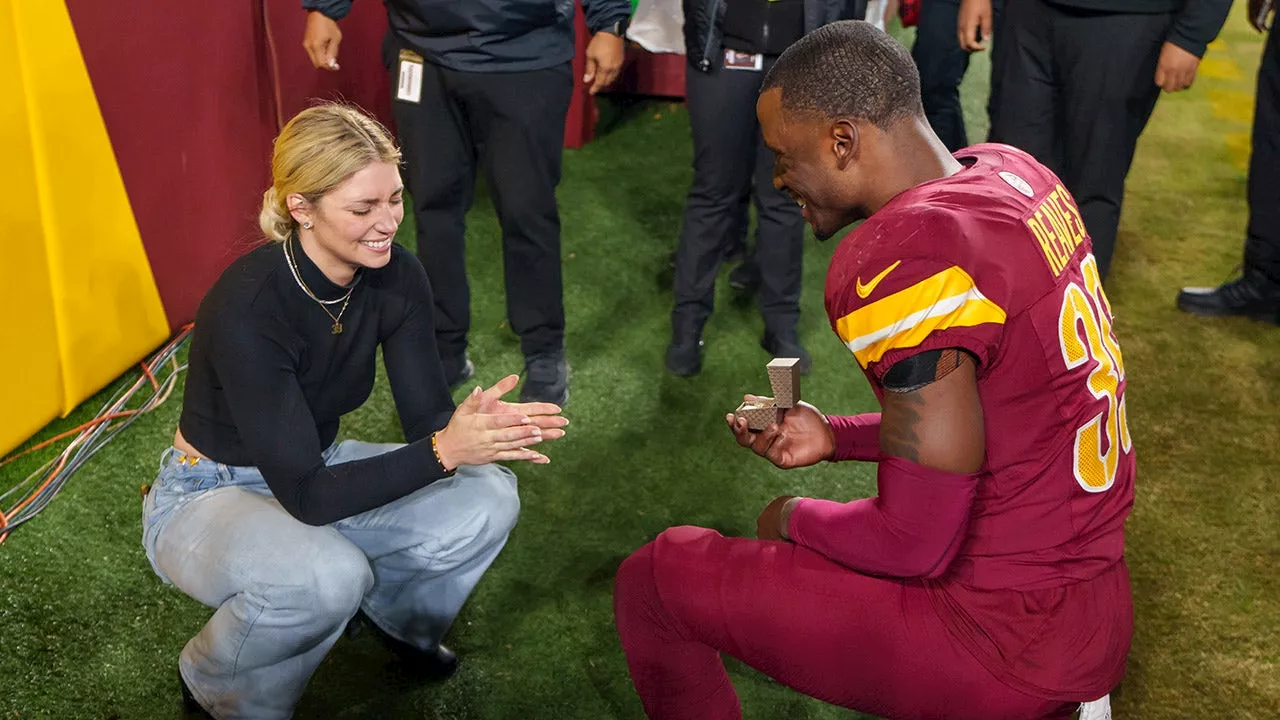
(784, 378)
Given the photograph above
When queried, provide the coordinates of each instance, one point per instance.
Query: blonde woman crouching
(257, 512)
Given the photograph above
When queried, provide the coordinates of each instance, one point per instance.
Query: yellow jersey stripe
(906, 318)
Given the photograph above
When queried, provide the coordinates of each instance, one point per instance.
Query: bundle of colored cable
(34, 493)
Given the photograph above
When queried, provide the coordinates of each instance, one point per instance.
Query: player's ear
(845, 142)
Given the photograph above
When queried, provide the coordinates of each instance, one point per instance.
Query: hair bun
(275, 220)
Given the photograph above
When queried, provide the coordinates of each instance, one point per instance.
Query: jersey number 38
(1086, 336)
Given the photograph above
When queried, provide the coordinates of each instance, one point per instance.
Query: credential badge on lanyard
(409, 87)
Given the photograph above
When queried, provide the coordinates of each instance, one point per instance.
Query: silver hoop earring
(306, 226)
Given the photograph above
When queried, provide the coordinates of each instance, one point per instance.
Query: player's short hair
(848, 69)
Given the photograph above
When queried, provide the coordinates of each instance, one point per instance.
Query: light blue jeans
(284, 590)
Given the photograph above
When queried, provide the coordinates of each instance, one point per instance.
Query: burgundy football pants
(866, 643)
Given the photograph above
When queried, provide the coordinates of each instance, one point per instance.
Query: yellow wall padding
(30, 371)
(82, 305)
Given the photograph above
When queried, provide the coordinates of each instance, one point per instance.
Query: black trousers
(942, 65)
(730, 163)
(1078, 89)
(511, 127)
(1262, 248)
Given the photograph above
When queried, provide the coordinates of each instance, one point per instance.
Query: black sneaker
(458, 370)
(191, 708)
(788, 348)
(546, 378)
(1250, 295)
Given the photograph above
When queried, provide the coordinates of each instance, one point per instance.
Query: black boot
(437, 664)
(745, 279)
(1251, 295)
(787, 347)
(684, 354)
(546, 378)
(458, 370)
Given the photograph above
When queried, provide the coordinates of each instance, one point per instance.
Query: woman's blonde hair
(318, 149)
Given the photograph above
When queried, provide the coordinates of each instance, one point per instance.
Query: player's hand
(605, 54)
(486, 429)
(1176, 69)
(321, 39)
(772, 523)
(1258, 15)
(973, 26)
(802, 438)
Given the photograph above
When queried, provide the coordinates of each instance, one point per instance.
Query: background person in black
(1079, 79)
(943, 60)
(256, 511)
(1256, 293)
(730, 46)
(486, 84)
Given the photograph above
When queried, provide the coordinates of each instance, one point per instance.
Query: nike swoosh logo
(865, 290)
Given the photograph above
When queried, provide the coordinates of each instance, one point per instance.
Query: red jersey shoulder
(1035, 200)
(901, 282)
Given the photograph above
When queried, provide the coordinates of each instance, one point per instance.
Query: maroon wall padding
(187, 94)
(361, 78)
(192, 95)
(580, 122)
(646, 73)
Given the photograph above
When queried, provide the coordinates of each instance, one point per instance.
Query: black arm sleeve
(409, 353)
(277, 428)
(1199, 24)
(332, 9)
(602, 14)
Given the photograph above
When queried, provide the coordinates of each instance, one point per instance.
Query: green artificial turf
(87, 631)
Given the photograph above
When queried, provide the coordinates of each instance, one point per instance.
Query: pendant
(337, 328)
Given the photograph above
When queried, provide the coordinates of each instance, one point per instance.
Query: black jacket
(488, 35)
(703, 22)
(1196, 23)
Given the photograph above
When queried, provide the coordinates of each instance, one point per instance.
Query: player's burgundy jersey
(995, 260)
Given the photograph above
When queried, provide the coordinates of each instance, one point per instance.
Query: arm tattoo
(898, 436)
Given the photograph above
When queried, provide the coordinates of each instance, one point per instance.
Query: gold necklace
(336, 328)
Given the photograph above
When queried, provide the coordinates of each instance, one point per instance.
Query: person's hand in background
(1176, 69)
(605, 54)
(973, 25)
(1259, 12)
(321, 40)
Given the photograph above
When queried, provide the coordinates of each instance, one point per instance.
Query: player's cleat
(1250, 295)
(1099, 709)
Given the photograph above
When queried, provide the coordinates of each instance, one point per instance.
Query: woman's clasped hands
(485, 428)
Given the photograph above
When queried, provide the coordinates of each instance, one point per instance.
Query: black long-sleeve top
(1196, 22)
(268, 381)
